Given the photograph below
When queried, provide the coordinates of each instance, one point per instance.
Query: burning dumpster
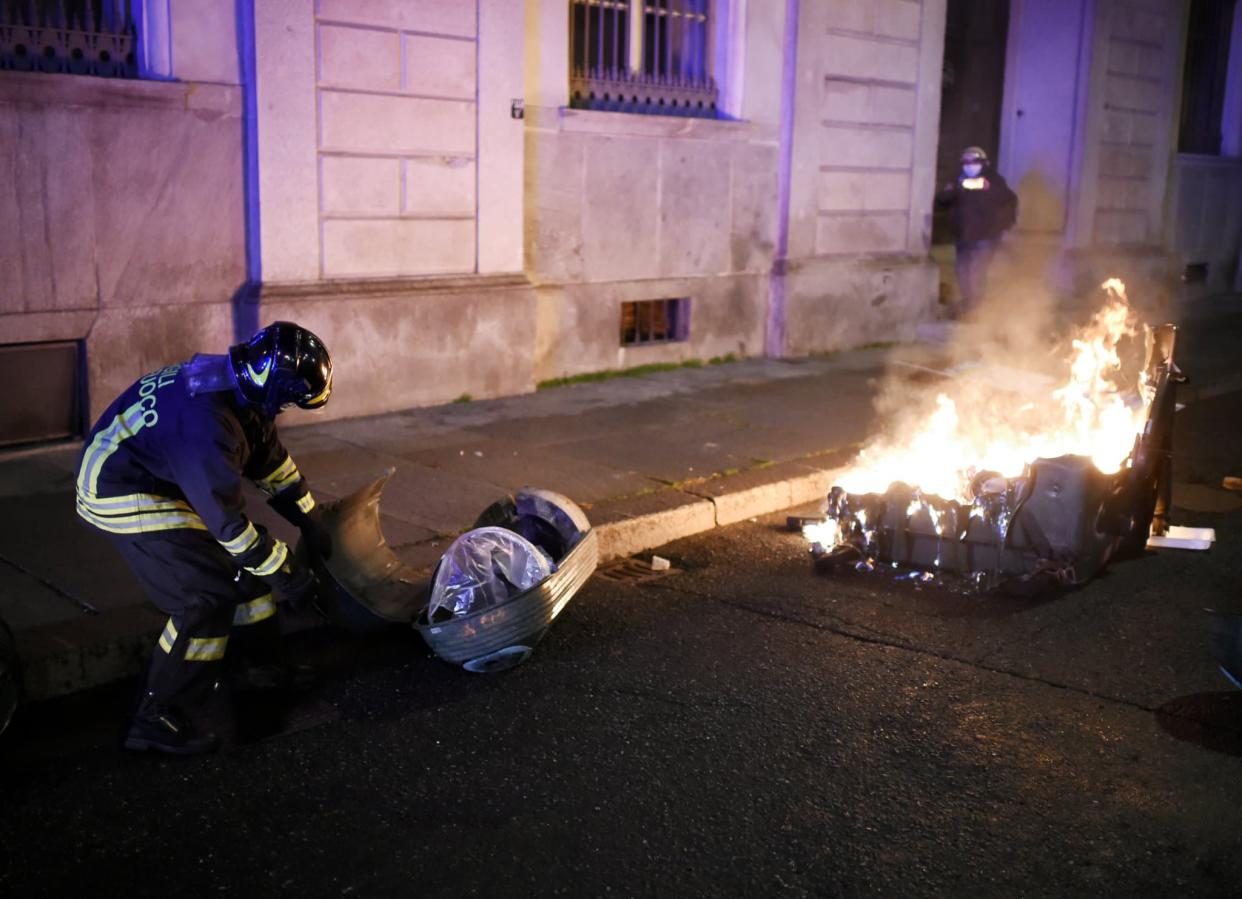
(1033, 493)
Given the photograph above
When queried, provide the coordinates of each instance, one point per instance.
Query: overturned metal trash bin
(368, 587)
(504, 633)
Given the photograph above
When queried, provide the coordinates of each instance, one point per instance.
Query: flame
(973, 428)
(825, 533)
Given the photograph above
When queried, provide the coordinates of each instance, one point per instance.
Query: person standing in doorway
(981, 208)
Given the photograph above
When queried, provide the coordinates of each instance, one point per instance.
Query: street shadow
(87, 724)
(996, 604)
(946, 596)
(380, 676)
(1212, 721)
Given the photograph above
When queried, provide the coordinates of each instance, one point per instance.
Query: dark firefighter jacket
(979, 208)
(160, 459)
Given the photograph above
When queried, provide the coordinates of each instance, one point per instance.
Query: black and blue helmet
(282, 365)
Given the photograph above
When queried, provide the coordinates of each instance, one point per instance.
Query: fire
(974, 428)
(825, 533)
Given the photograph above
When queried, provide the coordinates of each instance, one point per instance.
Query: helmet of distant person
(973, 161)
(974, 154)
(282, 365)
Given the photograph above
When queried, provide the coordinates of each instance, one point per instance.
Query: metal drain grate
(630, 571)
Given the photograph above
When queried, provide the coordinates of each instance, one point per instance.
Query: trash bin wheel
(500, 660)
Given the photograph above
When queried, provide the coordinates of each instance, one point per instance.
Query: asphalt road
(741, 726)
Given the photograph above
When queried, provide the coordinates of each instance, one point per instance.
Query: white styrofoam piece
(1185, 533)
(1179, 537)
(1176, 543)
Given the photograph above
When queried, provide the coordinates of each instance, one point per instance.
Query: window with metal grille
(77, 37)
(655, 321)
(644, 56)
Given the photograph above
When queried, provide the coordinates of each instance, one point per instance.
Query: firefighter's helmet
(282, 365)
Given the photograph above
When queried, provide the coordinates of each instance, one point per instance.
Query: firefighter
(981, 208)
(161, 473)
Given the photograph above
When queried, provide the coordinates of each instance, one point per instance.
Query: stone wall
(397, 119)
(121, 219)
(1141, 41)
(1205, 217)
(627, 207)
(866, 103)
(385, 147)
(390, 194)
(843, 302)
(402, 343)
(862, 135)
(864, 147)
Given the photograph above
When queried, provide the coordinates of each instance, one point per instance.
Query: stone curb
(69, 656)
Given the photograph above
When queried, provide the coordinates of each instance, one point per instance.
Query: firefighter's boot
(168, 731)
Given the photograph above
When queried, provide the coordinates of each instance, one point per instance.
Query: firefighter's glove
(296, 585)
(313, 531)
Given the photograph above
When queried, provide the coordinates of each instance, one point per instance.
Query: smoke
(1005, 388)
(1019, 328)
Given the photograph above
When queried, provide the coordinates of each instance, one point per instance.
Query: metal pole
(656, 8)
(637, 14)
(616, 36)
(704, 47)
(599, 41)
(668, 42)
(585, 36)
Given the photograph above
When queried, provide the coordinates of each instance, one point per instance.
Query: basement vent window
(49, 404)
(1195, 273)
(655, 321)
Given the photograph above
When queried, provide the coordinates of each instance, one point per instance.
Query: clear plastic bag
(482, 569)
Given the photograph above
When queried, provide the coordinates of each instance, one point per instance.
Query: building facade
(470, 197)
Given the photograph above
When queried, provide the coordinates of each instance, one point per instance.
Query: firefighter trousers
(192, 579)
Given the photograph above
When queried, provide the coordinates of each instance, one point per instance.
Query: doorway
(972, 89)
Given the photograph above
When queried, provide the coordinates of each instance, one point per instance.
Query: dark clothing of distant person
(981, 208)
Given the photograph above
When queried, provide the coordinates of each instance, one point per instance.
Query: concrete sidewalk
(650, 459)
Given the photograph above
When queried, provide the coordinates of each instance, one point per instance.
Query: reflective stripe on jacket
(159, 459)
